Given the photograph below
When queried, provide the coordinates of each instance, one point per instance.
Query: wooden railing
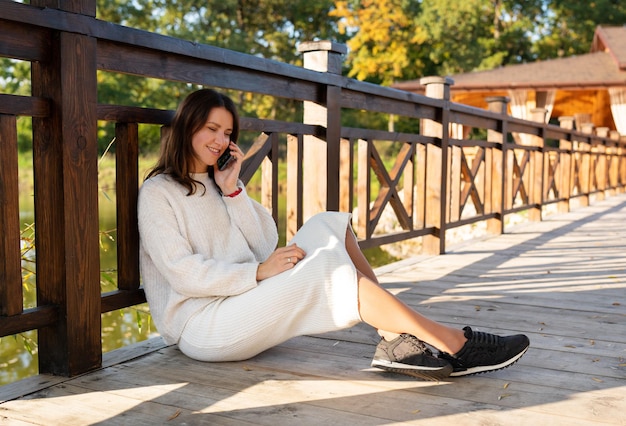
(437, 181)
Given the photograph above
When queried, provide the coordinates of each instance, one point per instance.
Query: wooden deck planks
(561, 281)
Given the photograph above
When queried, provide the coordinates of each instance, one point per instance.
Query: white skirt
(320, 294)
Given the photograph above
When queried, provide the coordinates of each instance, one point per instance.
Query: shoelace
(486, 341)
(417, 343)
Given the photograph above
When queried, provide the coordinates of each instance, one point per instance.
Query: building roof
(604, 66)
(612, 40)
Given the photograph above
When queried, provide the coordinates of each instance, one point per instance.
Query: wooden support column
(294, 185)
(565, 183)
(65, 157)
(537, 166)
(618, 167)
(364, 151)
(496, 191)
(127, 189)
(11, 294)
(436, 212)
(586, 170)
(604, 163)
(321, 159)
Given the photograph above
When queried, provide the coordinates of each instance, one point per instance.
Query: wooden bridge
(561, 281)
(440, 179)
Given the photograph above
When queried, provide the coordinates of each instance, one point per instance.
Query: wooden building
(589, 87)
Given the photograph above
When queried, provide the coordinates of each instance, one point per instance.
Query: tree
(381, 36)
(402, 39)
(388, 40)
(267, 28)
(570, 25)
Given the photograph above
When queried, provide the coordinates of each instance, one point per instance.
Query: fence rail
(440, 178)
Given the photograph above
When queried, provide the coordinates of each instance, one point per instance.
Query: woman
(219, 289)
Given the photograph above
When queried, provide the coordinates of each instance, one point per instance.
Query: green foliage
(389, 40)
(570, 25)
(266, 28)
(24, 134)
(270, 29)
(381, 35)
(477, 34)
(394, 40)
(15, 76)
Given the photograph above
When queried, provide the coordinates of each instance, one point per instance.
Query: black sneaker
(406, 354)
(486, 352)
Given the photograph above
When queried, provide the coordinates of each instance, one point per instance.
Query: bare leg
(384, 311)
(358, 259)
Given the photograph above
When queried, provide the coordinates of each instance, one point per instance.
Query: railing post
(602, 164)
(603, 132)
(436, 212)
(496, 173)
(294, 185)
(11, 293)
(321, 159)
(65, 161)
(566, 156)
(537, 167)
(586, 164)
(619, 163)
(127, 190)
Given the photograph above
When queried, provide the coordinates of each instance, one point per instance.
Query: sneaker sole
(425, 373)
(487, 368)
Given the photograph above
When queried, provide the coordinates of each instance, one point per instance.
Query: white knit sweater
(195, 249)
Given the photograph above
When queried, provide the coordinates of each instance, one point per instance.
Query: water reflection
(120, 328)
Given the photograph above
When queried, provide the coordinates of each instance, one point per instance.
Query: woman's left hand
(227, 179)
(281, 260)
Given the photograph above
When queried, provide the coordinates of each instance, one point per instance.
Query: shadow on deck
(561, 281)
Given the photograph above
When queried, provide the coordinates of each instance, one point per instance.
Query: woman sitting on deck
(219, 288)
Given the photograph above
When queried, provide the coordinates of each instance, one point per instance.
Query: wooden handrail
(441, 178)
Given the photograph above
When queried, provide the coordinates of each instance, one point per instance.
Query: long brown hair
(176, 155)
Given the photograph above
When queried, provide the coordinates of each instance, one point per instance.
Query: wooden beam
(24, 41)
(30, 319)
(24, 105)
(127, 191)
(65, 159)
(10, 258)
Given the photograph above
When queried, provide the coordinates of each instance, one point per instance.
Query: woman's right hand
(227, 179)
(281, 260)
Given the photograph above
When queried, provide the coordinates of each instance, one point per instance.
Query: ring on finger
(288, 260)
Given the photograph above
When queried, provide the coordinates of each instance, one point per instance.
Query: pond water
(18, 353)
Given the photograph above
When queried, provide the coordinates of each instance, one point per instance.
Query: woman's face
(212, 139)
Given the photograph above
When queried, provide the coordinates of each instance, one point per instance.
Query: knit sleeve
(255, 223)
(167, 235)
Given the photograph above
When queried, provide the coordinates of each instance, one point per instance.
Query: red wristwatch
(234, 194)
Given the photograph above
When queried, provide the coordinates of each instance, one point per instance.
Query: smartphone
(225, 159)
